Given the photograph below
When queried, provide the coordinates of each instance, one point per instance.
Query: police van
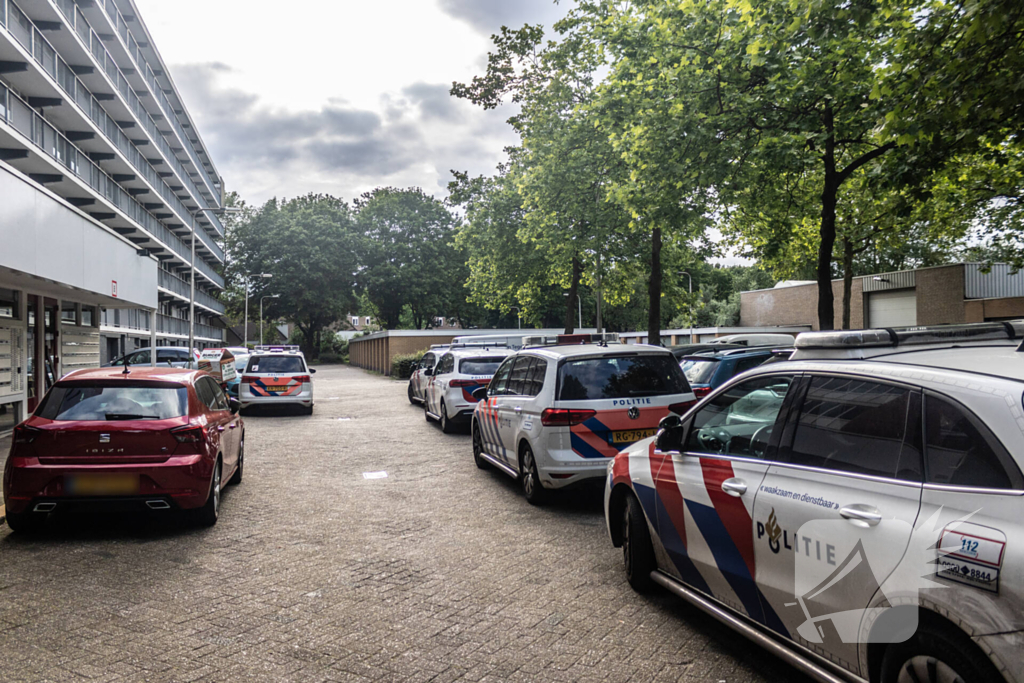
(858, 510)
(461, 370)
(560, 408)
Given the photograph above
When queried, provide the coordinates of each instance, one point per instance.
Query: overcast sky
(338, 96)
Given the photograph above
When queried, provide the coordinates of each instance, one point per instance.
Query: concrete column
(152, 338)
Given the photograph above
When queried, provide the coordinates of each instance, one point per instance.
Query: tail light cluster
(188, 434)
(302, 378)
(565, 417)
(701, 392)
(248, 379)
(25, 434)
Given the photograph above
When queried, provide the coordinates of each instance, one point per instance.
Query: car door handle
(734, 487)
(861, 515)
(518, 409)
(220, 428)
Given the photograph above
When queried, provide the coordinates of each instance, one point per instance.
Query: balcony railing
(180, 287)
(46, 56)
(120, 26)
(48, 139)
(165, 324)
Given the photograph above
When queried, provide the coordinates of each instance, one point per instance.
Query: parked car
(755, 339)
(136, 439)
(419, 379)
(708, 371)
(167, 356)
(459, 372)
(558, 409)
(856, 510)
(696, 349)
(275, 376)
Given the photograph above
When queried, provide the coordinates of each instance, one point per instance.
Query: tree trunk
(654, 291)
(307, 340)
(826, 303)
(570, 301)
(847, 281)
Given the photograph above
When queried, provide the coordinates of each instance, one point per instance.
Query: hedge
(403, 366)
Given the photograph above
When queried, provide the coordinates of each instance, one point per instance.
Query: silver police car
(858, 510)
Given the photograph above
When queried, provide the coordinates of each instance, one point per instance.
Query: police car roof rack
(276, 348)
(892, 337)
(602, 338)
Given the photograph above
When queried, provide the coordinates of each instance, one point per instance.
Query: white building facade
(103, 178)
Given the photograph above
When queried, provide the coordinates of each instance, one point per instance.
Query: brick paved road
(439, 572)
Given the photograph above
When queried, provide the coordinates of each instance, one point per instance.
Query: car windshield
(620, 377)
(108, 401)
(277, 365)
(698, 371)
(240, 363)
(479, 366)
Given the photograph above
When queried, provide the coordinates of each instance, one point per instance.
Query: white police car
(277, 375)
(419, 379)
(858, 510)
(459, 372)
(557, 410)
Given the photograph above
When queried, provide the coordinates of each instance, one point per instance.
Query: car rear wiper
(128, 416)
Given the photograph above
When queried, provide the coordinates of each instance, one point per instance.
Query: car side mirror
(670, 421)
(428, 372)
(480, 393)
(312, 371)
(670, 433)
(235, 405)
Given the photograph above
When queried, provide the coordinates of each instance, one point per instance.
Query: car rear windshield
(699, 371)
(479, 366)
(620, 377)
(96, 401)
(278, 365)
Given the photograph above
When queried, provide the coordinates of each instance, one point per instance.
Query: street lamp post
(266, 296)
(519, 317)
(245, 323)
(689, 305)
(192, 280)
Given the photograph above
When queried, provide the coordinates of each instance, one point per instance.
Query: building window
(68, 313)
(9, 303)
(88, 316)
(355, 321)
(367, 320)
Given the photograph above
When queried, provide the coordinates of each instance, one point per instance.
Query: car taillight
(302, 378)
(188, 434)
(565, 417)
(680, 408)
(701, 392)
(248, 379)
(456, 383)
(26, 434)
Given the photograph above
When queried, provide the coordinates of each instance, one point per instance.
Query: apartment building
(104, 187)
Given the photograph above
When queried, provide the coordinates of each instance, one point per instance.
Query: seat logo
(104, 438)
(634, 413)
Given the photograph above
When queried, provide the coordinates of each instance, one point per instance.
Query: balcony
(44, 54)
(180, 287)
(50, 142)
(165, 324)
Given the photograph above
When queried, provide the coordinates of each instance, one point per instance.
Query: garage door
(892, 309)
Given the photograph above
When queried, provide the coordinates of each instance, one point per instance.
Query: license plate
(101, 484)
(275, 389)
(631, 435)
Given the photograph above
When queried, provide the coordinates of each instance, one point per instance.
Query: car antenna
(127, 362)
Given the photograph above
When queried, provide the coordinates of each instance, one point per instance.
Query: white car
(560, 408)
(277, 375)
(448, 397)
(419, 379)
(855, 510)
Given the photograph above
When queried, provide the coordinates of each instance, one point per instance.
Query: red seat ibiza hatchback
(135, 439)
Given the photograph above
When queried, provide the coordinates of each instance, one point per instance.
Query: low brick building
(956, 293)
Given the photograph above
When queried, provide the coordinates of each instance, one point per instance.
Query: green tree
(408, 256)
(309, 246)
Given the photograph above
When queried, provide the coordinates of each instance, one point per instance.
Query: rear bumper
(182, 481)
(304, 399)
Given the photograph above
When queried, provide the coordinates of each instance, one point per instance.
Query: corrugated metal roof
(999, 282)
(902, 279)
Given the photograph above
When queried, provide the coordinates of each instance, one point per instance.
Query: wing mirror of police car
(670, 421)
(429, 372)
(480, 393)
(312, 371)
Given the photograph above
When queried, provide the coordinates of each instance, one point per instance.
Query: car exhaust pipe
(44, 507)
(158, 505)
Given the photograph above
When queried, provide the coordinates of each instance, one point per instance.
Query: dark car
(132, 440)
(166, 356)
(708, 371)
(693, 349)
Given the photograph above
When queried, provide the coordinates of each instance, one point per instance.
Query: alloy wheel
(626, 541)
(924, 669)
(528, 480)
(216, 490)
